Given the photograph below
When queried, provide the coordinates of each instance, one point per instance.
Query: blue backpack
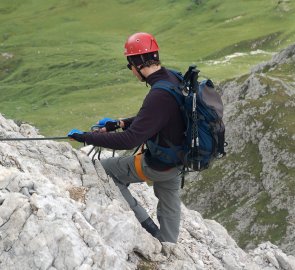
(202, 110)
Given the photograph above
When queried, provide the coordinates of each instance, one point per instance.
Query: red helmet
(140, 43)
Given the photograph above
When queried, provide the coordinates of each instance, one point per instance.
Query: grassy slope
(67, 68)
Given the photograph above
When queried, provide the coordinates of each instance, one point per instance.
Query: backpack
(202, 110)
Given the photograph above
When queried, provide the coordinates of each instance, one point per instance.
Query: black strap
(137, 148)
(182, 177)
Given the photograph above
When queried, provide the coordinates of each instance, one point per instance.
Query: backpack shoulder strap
(177, 74)
(170, 87)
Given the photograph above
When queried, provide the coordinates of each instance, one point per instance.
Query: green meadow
(62, 64)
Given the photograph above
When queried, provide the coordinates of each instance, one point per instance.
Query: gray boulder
(58, 210)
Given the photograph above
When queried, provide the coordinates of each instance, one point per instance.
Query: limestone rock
(284, 56)
(58, 210)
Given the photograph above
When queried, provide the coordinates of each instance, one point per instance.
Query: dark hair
(144, 60)
(152, 62)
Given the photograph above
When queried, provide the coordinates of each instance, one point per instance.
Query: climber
(158, 121)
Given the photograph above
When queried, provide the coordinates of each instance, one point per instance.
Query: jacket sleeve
(151, 118)
(127, 122)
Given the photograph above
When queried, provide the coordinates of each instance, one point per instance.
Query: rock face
(60, 211)
(252, 191)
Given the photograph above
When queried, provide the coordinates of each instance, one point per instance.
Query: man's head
(141, 50)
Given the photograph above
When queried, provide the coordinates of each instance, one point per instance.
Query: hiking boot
(151, 227)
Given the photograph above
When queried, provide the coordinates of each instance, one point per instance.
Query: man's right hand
(77, 135)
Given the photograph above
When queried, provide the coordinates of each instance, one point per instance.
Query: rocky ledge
(58, 210)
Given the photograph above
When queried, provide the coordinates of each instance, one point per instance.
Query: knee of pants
(106, 163)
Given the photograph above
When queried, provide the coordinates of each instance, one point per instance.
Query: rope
(34, 139)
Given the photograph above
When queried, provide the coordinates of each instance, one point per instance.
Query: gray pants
(166, 188)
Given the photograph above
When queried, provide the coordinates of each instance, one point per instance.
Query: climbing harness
(138, 167)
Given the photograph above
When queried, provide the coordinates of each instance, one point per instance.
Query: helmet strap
(139, 72)
(138, 69)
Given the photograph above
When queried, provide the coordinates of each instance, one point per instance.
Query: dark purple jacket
(159, 114)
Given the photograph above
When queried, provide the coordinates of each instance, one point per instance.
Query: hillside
(59, 211)
(61, 62)
(252, 190)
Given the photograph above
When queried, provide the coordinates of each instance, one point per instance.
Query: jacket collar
(161, 74)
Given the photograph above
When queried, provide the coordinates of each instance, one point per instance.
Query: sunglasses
(129, 66)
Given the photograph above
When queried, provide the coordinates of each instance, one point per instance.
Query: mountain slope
(62, 63)
(252, 191)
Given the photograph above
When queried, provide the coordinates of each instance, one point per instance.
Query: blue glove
(73, 131)
(102, 123)
(77, 135)
(109, 123)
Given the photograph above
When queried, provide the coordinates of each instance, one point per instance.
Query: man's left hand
(107, 125)
(112, 125)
